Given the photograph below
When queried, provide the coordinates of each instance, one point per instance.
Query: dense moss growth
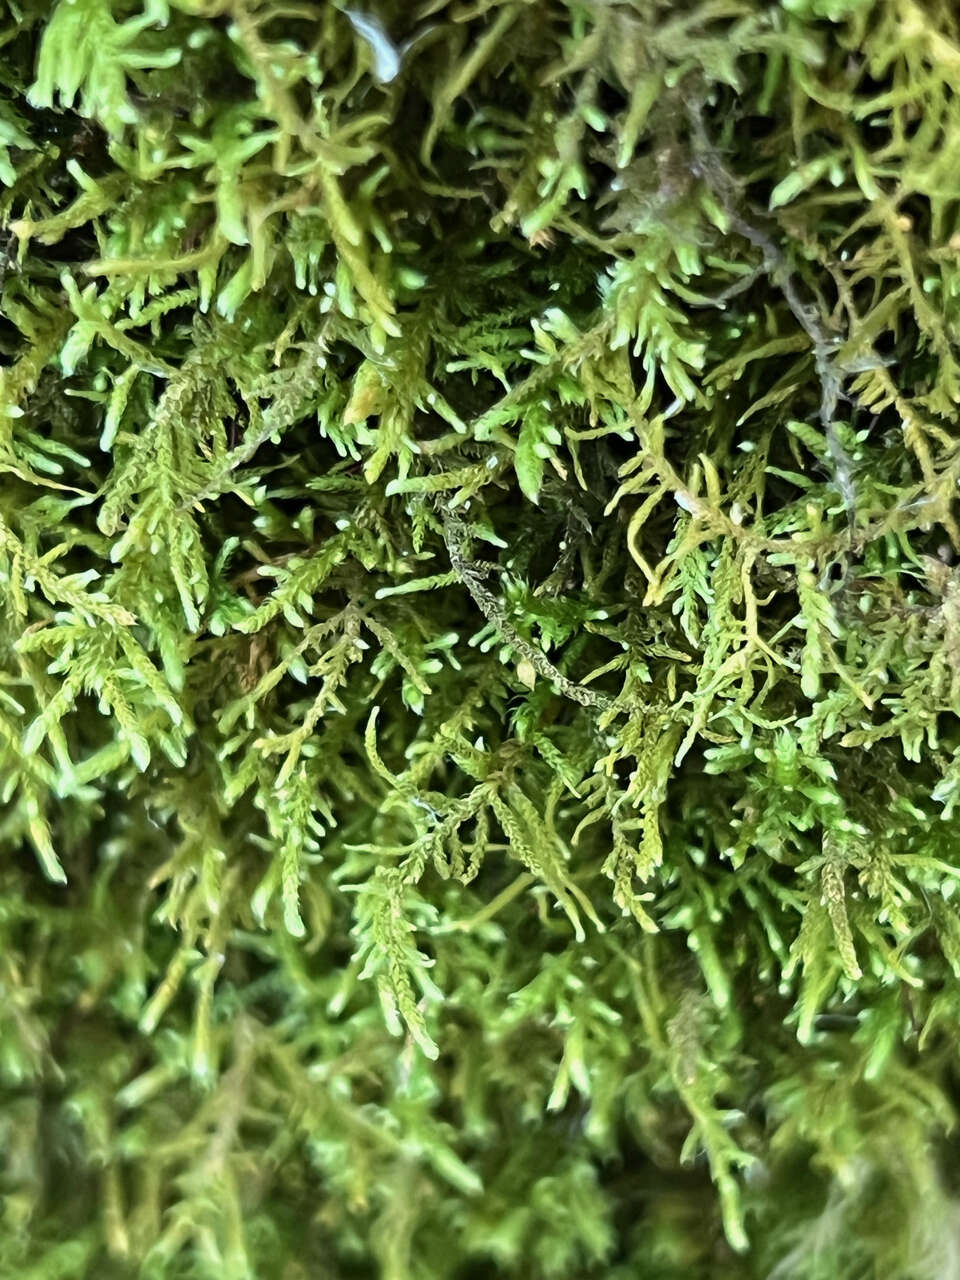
(481, 639)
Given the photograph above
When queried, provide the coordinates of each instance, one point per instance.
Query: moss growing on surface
(480, 654)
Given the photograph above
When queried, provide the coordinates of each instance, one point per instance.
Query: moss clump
(480, 655)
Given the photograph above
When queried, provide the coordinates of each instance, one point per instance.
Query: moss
(481, 639)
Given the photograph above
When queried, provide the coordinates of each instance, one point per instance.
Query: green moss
(480, 657)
